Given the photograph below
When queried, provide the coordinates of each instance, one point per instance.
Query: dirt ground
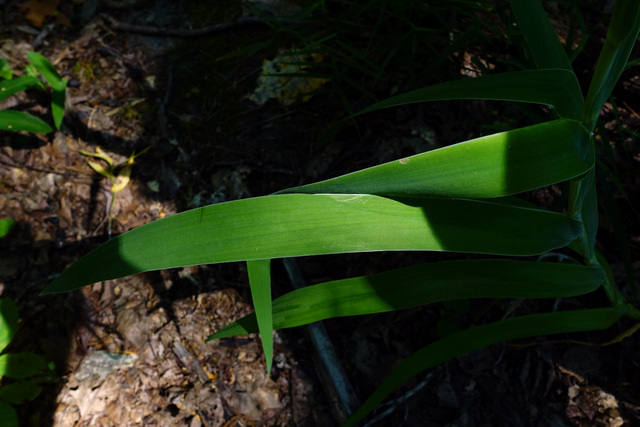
(132, 352)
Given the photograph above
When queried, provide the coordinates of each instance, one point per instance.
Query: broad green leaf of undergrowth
(8, 415)
(621, 37)
(260, 282)
(493, 166)
(10, 87)
(6, 225)
(540, 36)
(19, 121)
(558, 88)
(300, 224)
(16, 393)
(479, 337)
(21, 365)
(423, 284)
(9, 320)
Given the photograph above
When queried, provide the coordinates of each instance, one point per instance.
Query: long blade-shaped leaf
(57, 103)
(300, 224)
(493, 166)
(9, 87)
(17, 120)
(539, 34)
(47, 70)
(423, 284)
(9, 320)
(558, 88)
(472, 339)
(621, 37)
(260, 282)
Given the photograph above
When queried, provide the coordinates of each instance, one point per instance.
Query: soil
(133, 352)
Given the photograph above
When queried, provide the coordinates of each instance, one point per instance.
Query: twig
(393, 404)
(199, 32)
(189, 361)
(342, 397)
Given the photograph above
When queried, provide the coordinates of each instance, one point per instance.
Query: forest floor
(132, 351)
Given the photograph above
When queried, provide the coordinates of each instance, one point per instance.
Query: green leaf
(300, 224)
(10, 87)
(8, 415)
(5, 70)
(18, 392)
(541, 38)
(260, 282)
(21, 365)
(6, 225)
(17, 120)
(493, 166)
(47, 70)
(621, 37)
(423, 284)
(475, 338)
(57, 104)
(557, 88)
(9, 320)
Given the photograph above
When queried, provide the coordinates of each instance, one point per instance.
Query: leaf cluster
(39, 66)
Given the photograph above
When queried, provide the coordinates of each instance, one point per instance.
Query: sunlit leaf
(299, 224)
(10, 87)
(260, 282)
(423, 284)
(20, 121)
(47, 70)
(6, 225)
(8, 322)
(493, 166)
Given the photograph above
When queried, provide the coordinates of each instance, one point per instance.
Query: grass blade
(301, 224)
(557, 88)
(481, 168)
(541, 38)
(17, 120)
(423, 284)
(621, 37)
(472, 339)
(260, 282)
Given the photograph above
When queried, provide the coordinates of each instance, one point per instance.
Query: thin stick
(342, 397)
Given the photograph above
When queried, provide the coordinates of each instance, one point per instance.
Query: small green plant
(457, 199)
(21, 121)
(24, 369)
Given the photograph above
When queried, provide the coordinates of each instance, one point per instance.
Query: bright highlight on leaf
(301, 224)
(493, 166)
